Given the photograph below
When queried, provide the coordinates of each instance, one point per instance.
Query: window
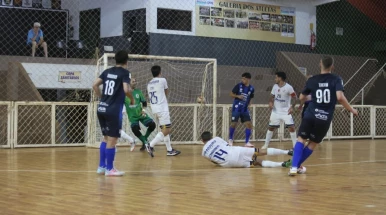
(179, 20)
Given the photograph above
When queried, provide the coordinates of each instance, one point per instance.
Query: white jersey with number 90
(156, 92)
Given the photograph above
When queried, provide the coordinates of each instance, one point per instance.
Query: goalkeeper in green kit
(136, 114)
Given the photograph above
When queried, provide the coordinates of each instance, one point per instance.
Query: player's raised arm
(96, 85)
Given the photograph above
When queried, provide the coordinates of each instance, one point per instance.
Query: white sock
(270, 164)
(273, 151)
(268, 137)
(167, 142)
(293, 138)
(158, 138)
(126, 136)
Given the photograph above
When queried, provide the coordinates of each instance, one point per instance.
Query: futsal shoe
(287, 164)
(173, 152)
(101, 170)
(114, 172)
(132, 146)
(149, 150)
(142, 148)
(290, 152)
(293, 171)
(249, 145)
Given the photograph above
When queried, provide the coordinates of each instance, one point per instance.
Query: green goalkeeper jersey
(135, 112)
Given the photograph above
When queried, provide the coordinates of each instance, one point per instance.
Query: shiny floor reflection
(343, 177)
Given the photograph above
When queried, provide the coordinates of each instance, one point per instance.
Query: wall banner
(244, 20)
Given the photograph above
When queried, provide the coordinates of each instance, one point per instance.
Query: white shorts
(239, 157)
(275, 119)
(163, 118)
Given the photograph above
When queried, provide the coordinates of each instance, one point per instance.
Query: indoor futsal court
(131, 107)
(344, 176)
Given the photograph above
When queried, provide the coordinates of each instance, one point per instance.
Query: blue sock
(247, 135)
(231, 132)
(306, 153)
(110, 155)
(102, 155)
(298, 151)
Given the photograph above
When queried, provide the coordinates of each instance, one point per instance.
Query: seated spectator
(35, 39)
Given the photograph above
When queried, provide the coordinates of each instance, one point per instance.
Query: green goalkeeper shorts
(145, 120)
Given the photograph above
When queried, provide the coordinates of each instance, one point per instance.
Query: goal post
(192, 97)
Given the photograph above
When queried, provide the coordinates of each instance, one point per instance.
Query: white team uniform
(219, 152)
(281, 105)
(158, 102)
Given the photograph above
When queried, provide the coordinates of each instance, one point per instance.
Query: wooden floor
(343, 177)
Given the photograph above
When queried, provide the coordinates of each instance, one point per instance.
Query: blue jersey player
(242, 93)
(326, 90)
(116, 84)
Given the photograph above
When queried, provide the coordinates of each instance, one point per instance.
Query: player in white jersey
(280, 104)
(221, 153)
(157, 90)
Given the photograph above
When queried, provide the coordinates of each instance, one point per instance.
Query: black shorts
(243, 116)
(111, 123)
(313, 129)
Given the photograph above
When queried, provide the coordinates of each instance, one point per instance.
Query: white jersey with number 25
(156, 92)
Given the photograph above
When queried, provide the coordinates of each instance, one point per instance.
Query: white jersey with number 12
(156, 92)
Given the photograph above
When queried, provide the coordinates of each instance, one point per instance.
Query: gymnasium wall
(232, 52)
(360, 33)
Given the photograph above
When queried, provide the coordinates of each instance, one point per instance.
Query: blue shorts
(110, 122)
(313, 129)
(244, 116)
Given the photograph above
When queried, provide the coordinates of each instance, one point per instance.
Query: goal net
(192, 95)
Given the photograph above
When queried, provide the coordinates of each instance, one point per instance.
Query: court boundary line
(179, 170)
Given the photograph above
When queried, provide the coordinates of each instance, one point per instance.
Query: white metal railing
(362, 91)
(355, 73)
(48, 124)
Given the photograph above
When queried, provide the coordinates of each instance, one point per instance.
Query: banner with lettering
(69, 76)
(244, 20)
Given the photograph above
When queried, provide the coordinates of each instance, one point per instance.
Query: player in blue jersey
(116, 84)
(326, 90)
(242, 93)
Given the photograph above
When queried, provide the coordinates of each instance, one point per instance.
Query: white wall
(111, 14)
(43, 79)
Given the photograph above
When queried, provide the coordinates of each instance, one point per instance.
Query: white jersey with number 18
(156, 91)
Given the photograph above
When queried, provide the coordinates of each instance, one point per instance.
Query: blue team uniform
(320, 111)
(240, 106)
(113, 96)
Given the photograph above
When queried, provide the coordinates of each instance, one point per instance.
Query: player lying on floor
(221, 153)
